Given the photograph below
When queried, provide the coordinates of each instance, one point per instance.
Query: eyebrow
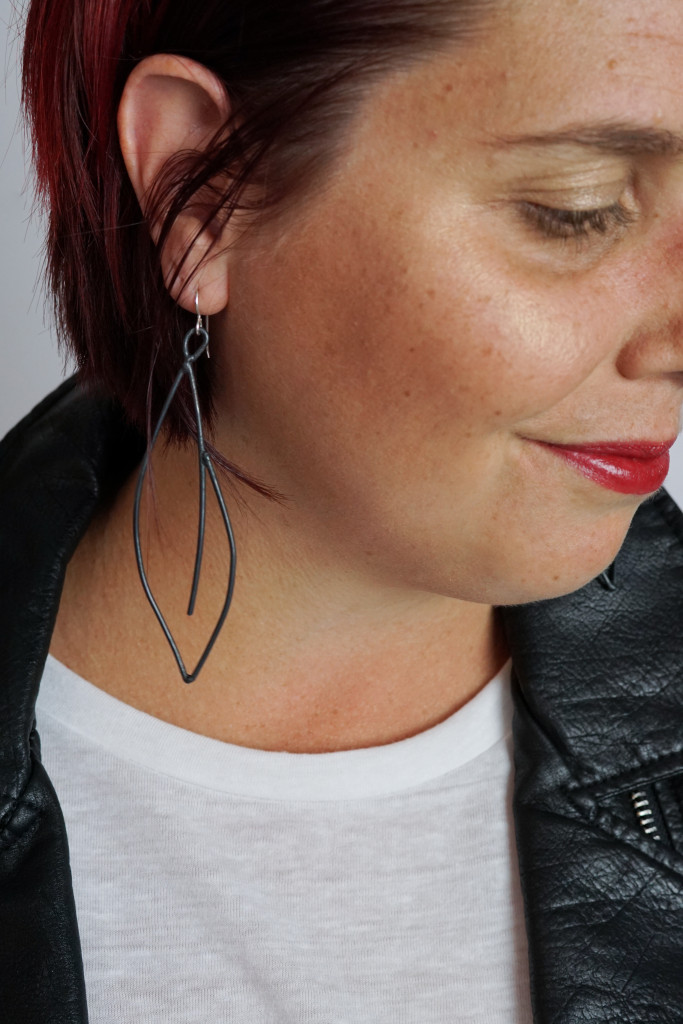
(613, 137)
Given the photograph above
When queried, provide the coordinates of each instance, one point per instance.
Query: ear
(170, 104)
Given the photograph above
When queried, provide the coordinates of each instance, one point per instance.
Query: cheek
(385, 389)
(402, 345)
(479, 351)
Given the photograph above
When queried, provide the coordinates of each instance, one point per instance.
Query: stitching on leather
(12, 799)
(623, 780)
(609, 824)
(27, 801)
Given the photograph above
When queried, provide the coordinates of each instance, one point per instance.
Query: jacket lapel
(598, 687)
(51, 470)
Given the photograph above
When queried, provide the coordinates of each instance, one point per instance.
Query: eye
(554, 223)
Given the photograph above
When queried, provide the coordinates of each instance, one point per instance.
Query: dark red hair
(295, 71)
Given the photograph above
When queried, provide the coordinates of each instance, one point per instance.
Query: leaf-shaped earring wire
(205, 466)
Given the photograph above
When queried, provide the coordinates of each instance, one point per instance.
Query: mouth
(632, 467)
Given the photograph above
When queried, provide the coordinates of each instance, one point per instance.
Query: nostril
(655, 350)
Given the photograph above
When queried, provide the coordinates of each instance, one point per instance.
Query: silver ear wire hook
(200, 323)
(199, 315)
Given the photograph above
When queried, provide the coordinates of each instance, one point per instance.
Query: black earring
(607, 579)
(200, 335)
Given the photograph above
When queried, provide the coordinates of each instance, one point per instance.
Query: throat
(300, 701)
(282, 676)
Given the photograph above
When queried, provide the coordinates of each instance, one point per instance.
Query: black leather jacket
(598, 733)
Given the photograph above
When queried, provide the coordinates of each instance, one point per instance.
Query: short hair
(295, 72)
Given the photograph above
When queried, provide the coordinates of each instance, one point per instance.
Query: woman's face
(403, 338)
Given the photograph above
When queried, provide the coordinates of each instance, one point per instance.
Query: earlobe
(169, 105)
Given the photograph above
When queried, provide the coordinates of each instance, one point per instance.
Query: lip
(627, 467)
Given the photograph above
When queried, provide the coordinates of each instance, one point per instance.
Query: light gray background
(30, 365)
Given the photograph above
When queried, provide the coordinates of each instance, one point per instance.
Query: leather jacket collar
(598, 735)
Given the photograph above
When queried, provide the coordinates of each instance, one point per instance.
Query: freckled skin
(411, 274)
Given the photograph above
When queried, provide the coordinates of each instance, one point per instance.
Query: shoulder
(75, 427)
(56, 466)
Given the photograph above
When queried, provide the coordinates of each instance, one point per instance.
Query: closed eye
(562, 224)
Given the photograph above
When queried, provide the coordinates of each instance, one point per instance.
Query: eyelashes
(579, 224)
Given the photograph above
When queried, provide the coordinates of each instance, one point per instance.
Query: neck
(315, 654)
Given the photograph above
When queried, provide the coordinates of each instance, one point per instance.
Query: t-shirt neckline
(136, 737)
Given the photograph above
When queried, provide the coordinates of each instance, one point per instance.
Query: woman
(439, 244)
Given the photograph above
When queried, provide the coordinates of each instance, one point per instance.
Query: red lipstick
(628, 468)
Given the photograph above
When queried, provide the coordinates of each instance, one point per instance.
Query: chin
(562, 567)
(550, 590)
(558, 583)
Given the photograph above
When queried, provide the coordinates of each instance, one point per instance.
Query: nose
(654, 350)
(655, 344)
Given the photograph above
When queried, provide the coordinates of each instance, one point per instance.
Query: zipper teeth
(643, 809)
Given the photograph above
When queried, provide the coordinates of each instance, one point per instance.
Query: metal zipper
(643, 809)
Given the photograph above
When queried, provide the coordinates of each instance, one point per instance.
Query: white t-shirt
(215, 883)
